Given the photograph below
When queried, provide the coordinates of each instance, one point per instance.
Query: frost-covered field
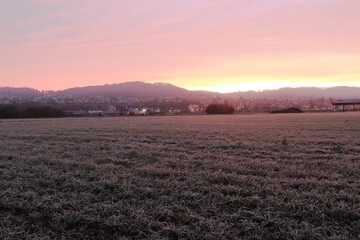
(292, 176)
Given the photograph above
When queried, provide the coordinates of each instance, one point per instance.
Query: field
(291, 176)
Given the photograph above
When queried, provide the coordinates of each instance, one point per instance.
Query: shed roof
(345, 101)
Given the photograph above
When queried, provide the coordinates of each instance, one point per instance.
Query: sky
(217, 45)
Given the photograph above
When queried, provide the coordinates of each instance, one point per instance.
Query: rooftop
(345, 101)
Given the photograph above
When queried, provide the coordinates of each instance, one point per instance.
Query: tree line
(10, 111)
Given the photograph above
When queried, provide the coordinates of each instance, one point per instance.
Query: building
(194, 108)
(346, 104)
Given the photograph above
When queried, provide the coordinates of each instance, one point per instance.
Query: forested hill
(141, 89)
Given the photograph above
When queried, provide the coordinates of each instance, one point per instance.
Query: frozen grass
(213, 177)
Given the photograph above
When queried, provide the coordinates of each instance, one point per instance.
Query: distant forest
(10, 111)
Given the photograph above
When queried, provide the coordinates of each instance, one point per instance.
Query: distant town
(109, 106)
(137, 98)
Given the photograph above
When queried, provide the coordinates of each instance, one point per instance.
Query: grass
(187, 177)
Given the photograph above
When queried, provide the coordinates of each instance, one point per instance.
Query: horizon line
(206, 89)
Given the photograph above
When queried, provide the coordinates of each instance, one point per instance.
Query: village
(136, 106)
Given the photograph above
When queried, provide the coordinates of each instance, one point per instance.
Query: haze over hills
(19, 92)
(141, 89)
(303, 92)
(128, 89)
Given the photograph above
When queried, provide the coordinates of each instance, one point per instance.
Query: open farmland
(292, 176)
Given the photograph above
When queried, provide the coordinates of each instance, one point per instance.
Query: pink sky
(221, 45)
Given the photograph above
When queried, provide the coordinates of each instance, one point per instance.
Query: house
(194, 108)
(95, 112)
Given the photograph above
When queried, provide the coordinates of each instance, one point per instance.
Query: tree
(219, 109)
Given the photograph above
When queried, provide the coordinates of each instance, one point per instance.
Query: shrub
(288, 110)
(219, 109)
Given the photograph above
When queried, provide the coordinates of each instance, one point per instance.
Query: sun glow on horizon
(263, 86)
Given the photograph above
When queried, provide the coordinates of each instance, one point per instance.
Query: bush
(219, 109)
(288, 110)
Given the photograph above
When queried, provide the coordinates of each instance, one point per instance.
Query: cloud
(169, 39)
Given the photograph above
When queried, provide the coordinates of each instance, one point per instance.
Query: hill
(129, 89)
(141, 89)
(19, 92)
(302, 92)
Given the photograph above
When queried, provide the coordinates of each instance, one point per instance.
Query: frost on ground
(215, 177)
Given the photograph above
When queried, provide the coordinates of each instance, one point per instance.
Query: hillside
(19, 92)
(141, 89)
(128, 89)
(303, 92)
